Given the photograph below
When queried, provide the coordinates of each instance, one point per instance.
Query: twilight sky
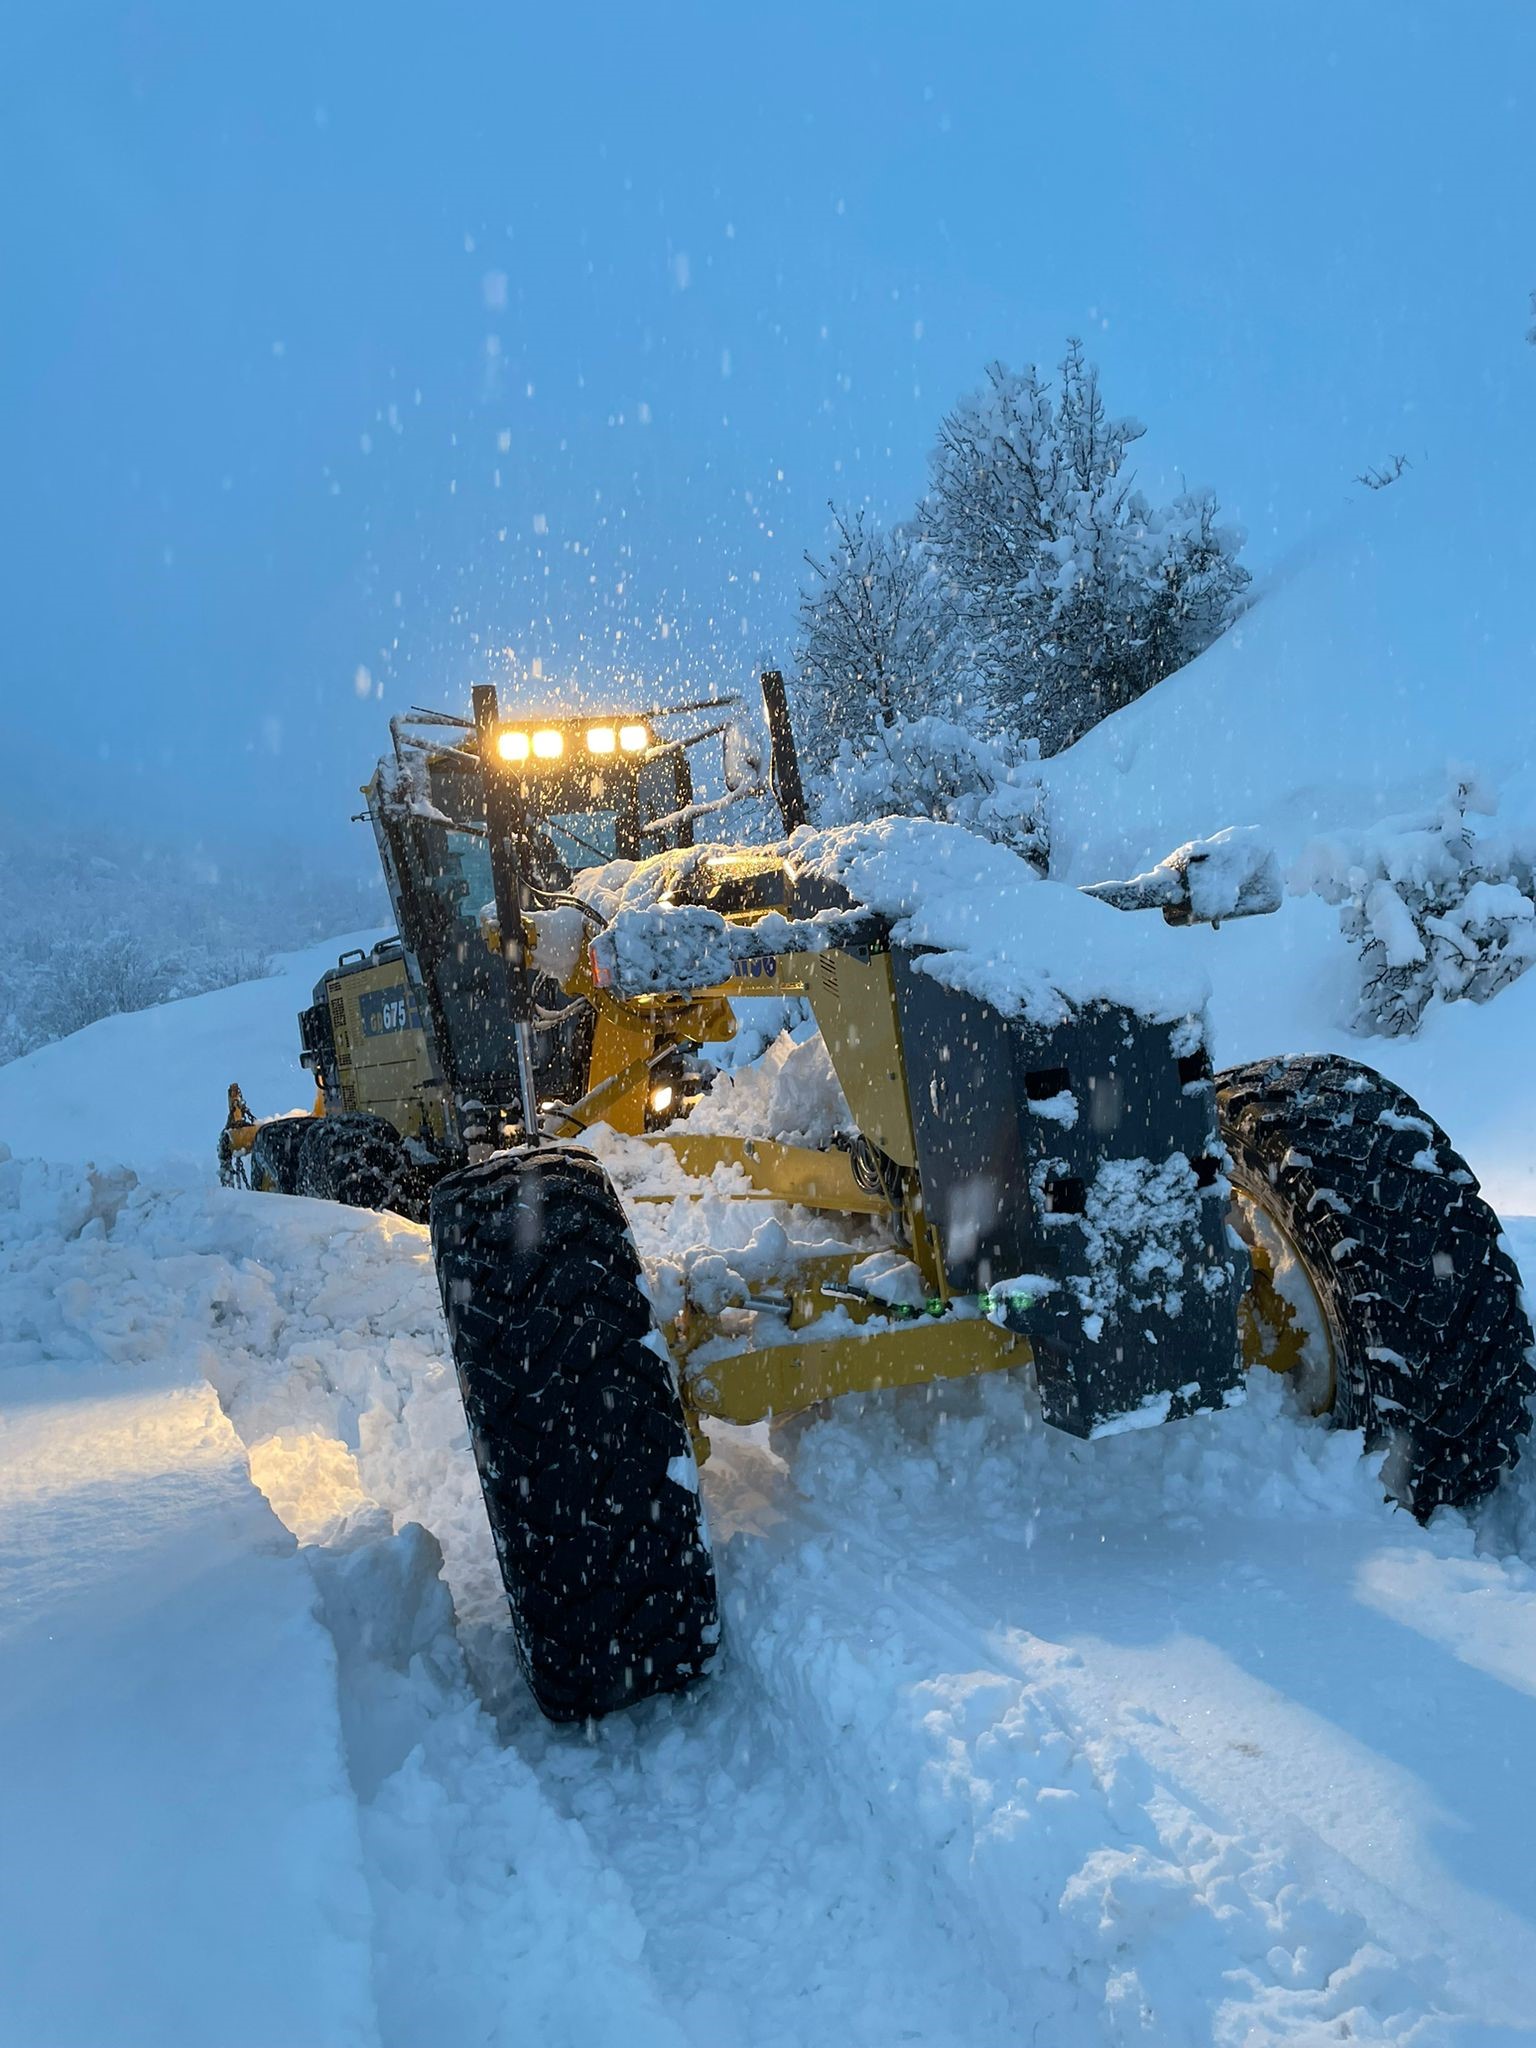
(351, 354)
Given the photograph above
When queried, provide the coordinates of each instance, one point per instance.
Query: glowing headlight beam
(548, 745)
(602, 739)
(512, 746)
(634, 739)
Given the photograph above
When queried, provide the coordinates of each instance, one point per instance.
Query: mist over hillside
(100, 921)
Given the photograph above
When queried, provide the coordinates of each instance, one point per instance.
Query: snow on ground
(151, 1086)
(1179, 1737)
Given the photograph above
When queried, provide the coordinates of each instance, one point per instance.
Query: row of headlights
(546, 743)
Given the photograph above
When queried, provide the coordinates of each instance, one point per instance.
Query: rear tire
(275, 1154)
(1432, 1344)
(578, 1431)
(354, 1159)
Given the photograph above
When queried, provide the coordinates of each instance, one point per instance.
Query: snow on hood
(983, 921)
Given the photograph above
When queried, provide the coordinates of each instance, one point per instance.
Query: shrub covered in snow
(1442, 904)
(935, 768)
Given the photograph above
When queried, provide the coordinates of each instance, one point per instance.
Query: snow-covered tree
(1034, 592)
(872, 626)
(1069, 593)
(935, 768)
(1440, 904)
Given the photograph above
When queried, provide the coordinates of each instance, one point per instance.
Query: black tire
(354, 1159)
(275, 1154)
(1432, 1344)
(578, 1431)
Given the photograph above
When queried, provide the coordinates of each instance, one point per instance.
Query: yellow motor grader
(1040, 1172)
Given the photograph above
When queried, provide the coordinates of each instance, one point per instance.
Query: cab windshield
(584, 839)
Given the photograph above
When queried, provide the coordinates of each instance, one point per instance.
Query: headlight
(661, 1099)
(602, 739)
(512, 746)
(549, 745)
(634, 739)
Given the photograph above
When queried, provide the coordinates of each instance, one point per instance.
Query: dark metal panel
(1014, 1123)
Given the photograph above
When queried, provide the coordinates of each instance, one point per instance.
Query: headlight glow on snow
(548, 745)
(512, 746)
(634, 739)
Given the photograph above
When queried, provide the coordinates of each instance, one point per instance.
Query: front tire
(1430, 1343)
(578, 1431)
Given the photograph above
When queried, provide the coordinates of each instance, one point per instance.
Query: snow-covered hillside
(152, 1086)
(1396, 649)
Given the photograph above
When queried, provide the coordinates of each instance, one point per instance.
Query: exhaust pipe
(783, 761)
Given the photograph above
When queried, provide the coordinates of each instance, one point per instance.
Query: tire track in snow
(1035, 1673)
(765, 1912)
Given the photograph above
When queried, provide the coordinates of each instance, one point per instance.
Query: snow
(174, 1809)
(151, 1085)
(1177, 1735)
(1396, 650)
(986, 922)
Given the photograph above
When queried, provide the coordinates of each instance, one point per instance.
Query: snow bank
(179, 1852)
(150, 1086)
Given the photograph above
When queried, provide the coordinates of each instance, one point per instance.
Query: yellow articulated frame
(777, 1379)
(780, 1173)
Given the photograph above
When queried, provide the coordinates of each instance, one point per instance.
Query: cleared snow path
(179, 1849)
(1181, 1737)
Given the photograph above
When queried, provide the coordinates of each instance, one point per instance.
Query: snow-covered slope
(1399, 644)
(151, 1086)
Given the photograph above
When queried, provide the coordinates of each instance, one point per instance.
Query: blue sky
(353, 354)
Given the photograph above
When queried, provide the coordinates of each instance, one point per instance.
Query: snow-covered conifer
(871, 635)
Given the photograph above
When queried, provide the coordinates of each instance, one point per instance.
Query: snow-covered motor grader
(1038, 1168)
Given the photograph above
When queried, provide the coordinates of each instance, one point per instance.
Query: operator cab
(589, 790)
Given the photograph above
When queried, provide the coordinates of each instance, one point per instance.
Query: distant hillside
(96, 924)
